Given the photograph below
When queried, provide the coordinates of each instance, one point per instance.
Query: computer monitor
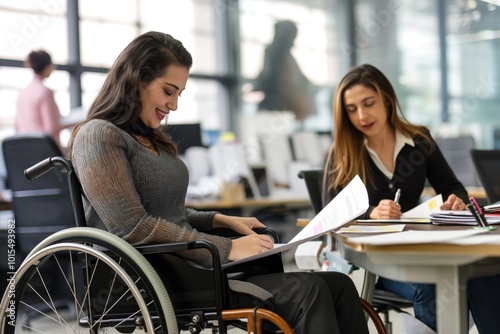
(185, 135)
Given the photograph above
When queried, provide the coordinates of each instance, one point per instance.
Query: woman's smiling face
(160, 96)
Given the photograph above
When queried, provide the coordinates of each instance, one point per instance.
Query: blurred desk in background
(5, 206)
(477, 192)
(247, 207)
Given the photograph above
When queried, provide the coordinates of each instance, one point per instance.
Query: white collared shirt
(401, 140)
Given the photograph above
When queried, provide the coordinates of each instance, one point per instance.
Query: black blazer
(414, 164)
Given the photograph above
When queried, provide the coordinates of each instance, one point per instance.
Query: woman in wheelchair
(134, 185)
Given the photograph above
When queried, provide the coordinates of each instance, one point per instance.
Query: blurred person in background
(36, 108)
(284, 85)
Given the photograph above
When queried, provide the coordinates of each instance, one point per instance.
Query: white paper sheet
(423, 210)
(478, 240)
(351, 202)
(372, 229)
(414, 237)
(397, 221)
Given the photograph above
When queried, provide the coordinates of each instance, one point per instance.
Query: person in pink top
(37, 110)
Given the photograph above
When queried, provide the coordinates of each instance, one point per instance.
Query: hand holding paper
(351, 202)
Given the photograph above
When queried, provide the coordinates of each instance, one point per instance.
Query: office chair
(456, 151)
(383, 301)
(39, 208)
(487, 163)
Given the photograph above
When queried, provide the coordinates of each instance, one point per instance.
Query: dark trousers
(319, 302)
(483, 294)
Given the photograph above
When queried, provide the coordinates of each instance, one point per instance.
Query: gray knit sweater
(137, 195)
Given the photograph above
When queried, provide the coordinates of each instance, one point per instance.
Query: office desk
(447, 265)
(250, 205)
(5, 206)
(477, 192)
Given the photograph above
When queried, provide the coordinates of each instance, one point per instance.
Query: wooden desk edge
(250, 203)
(5, 206)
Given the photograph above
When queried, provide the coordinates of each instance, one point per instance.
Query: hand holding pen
(387, 209)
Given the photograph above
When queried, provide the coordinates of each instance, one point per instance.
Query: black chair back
(487, 164)
(456, 151)
(40, 208)
(314, 183)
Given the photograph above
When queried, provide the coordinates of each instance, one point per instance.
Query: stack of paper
(461, 218)
(415, 237)
(494, 207)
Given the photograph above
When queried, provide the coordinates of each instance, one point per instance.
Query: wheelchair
(115, 287)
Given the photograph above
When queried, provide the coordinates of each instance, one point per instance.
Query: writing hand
(386, 209)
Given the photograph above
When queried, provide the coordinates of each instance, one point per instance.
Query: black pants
(319, 302)
(483, 294)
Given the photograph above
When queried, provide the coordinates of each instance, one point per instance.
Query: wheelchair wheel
(104, 284)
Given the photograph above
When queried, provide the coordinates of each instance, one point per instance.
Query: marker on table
(398, 195)
(477, 212)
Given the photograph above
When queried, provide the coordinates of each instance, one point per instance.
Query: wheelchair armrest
(220, 282)
(181, 246)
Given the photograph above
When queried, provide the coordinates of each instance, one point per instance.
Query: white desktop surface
(448, 266)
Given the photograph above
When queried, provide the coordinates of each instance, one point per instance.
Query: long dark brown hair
(348, 154)
(146, 58)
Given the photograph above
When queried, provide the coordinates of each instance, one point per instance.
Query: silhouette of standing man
(284, 85)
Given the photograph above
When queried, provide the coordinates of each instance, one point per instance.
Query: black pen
(477, 212)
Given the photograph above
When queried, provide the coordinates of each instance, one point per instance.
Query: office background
(443, 56)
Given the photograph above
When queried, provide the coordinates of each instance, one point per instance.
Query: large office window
(442, 56)
(402, 40)
(473, 44)
(103, 33)
(25, 26)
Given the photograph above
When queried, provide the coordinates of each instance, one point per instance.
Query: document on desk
(372, 229)
(424, 209)
(482, 239)
(414, 237)
(418, 215)
(397, 221)
(450, 217)
(351, 202)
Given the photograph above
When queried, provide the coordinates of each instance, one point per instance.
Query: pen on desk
(479, 210)
(398, 195)
(476, 211)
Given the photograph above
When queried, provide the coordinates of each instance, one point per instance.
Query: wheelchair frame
(138, 284)
(152, 307)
